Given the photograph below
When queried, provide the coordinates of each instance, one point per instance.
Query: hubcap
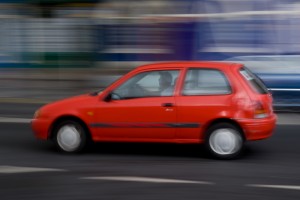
(225, 141)
(68, 138)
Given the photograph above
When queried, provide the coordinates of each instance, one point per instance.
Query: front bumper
(40, 127)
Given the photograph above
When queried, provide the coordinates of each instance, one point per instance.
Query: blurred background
(50, 49)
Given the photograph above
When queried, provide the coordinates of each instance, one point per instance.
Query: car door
(138, 109)
(205, 95)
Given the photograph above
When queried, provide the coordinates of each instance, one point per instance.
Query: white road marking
(4, 169)
(289, 187)
(145, 179)
(14, 120)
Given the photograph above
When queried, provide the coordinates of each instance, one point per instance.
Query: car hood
(71, 102)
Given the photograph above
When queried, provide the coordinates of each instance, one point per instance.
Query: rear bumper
(257, 129)
(40, 128)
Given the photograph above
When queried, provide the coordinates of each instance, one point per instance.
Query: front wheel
(70, 136)
(224, 141)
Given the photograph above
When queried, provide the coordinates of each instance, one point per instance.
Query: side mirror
(112, 96)
(108, 97)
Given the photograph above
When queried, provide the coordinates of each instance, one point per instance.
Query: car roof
(189, 64)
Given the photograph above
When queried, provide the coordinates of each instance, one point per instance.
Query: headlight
(37, 114)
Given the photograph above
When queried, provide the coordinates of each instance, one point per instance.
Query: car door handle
(167, 105)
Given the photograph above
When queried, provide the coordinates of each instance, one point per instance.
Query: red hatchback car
(219, 104)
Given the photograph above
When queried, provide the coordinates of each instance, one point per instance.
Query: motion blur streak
(144, 179)
(15, 169)
(290, 187)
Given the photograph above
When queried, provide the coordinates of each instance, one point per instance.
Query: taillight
(259, 110)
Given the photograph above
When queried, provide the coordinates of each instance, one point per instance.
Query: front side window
(205, 82)
(148, 84)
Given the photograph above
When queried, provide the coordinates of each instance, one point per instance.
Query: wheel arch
(60, 119)
(222, 120)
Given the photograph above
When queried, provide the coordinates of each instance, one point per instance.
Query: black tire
(70, 136)
(224, 141)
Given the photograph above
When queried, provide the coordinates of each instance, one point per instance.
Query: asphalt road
(31, 169)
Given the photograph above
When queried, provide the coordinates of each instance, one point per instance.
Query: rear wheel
(70, 136)
(224, 141)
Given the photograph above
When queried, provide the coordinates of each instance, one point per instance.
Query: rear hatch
(262, 99)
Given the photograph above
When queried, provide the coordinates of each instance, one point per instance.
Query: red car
(219, 104)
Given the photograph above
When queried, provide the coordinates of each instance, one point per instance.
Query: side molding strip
(145, 125)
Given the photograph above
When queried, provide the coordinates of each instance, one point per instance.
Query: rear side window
(205, 82)
(254, 81)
